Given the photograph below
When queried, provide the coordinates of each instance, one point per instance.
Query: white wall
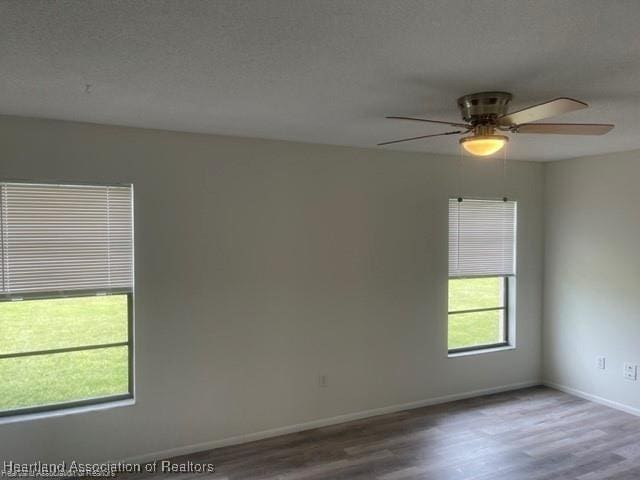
(260, 264)
(592, 274)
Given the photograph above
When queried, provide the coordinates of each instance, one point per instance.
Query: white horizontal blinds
(482, 236)
(60, 238)
(2, 287)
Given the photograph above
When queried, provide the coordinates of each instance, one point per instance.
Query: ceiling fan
(484, 113)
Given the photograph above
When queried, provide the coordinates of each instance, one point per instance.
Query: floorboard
(533, 434)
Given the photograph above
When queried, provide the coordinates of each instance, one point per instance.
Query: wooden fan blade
(565, 128)
(452, 124)
(548, 109)
(418, 138)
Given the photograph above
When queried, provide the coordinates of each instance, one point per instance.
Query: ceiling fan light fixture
(484, 113)
(484, 145)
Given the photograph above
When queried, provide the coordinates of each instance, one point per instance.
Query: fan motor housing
(483, 107)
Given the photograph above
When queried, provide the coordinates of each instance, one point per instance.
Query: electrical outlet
(601, 363)
(323, 380)
(630, 371)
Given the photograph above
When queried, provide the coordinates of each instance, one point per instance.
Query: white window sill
(27, 417)
(481, 351)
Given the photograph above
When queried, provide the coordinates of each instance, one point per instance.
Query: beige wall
(592, 275)
(260, 264)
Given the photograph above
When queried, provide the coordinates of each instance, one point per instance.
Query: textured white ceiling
(321, 70)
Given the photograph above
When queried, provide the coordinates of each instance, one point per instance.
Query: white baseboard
(593, 398)
(274, 432)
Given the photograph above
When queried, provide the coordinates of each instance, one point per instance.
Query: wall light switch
(630, 371)
(601, 363)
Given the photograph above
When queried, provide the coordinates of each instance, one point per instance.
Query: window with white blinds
(65, 238)
(482, 238)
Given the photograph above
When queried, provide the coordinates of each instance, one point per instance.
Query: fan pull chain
(461, 173)
(504, 172)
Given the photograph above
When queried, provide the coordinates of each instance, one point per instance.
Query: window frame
(505, 308)
(6, 415)
(87, 401)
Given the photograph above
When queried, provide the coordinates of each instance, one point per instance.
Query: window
(66, 295)
(482, 237)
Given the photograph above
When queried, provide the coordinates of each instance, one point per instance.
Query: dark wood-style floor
(536, 433)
